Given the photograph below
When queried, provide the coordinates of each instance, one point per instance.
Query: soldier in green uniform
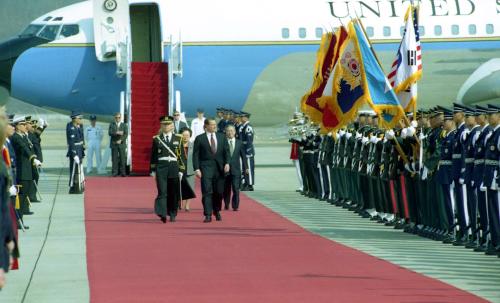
(167, 168)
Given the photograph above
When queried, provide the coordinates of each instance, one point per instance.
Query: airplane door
(111, 32)
(146, 33)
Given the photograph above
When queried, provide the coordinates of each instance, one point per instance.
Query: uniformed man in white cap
(94, 135)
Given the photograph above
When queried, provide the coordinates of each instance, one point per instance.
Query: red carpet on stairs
(253, 255)
(149, 103)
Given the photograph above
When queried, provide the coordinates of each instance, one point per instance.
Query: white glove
(390, 134)
(414, 124)
(42, 122)
(425, 173)
(153, 174)
(461, 181)
(13, 191)
(341, 133)
(410, 132)
(37, 162)
(358, 135)
(408, 168)
(373, 139)
(76, 159)
(482, 187)
(494, 185)
(180, 175)
(365, 140)
(348, 136)
(422, 136)
(404, 133)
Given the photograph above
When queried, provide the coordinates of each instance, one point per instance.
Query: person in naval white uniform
(197, 124)
(94, 135)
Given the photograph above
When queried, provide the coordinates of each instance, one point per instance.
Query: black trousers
(118, 159)
(24, 190)
(32, 193)
(212, 189)
(232, 184)
(167, 201)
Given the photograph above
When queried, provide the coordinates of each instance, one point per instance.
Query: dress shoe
(208, 219)
(123, 175)
(448, 239)
(250, 188)
(25, 227)
(172, 218)
(115, 175)
(28, 213)
(235, 209)
(163, 219)
(460, 241)
(226, 207)
(34, 201)
(218, 217)
(491, 251)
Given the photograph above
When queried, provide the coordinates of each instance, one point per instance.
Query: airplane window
(369, 31)
(387, 31)
(285, 33)
(421, 30)
(49, 32)
(489, 29)
(58, 19)
(31, 30)
(438, 30)
(69, 30)
(472, 29)
(319, 32)
(455, 30)
(47, 18)
(302, 33)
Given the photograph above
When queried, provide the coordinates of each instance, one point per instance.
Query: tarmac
(53, 251)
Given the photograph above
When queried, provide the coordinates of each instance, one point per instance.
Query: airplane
(252, 55)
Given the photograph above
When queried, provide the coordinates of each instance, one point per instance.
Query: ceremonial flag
(380, 95)
(327, 55)
(348, 91)
(407, 67)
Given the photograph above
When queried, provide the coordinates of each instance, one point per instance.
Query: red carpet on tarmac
(253, 255)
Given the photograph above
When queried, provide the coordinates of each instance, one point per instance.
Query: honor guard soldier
(26, 161)
(221, 123)
(490, 182)
(458, 161)
(74, 138)
(467, 173)
(445, 171)
(167, 167)
(247, 137)
(478, 172)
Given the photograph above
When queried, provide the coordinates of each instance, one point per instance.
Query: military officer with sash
(167, 167)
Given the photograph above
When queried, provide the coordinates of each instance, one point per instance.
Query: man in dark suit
(178, 124)
(210, 163)
(118, 131)
(233, 179)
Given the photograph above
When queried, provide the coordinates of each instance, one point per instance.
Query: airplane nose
(10, 50)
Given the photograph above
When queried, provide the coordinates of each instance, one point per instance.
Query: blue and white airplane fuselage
(253, 55)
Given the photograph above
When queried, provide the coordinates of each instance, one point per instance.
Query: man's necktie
(212, 145)
(231, 147)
